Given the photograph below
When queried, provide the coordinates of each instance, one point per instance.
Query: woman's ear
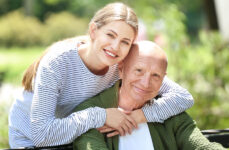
(92, 30)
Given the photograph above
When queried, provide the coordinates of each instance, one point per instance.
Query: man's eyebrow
(117, 34)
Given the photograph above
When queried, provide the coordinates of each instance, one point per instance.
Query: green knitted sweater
(176, 133)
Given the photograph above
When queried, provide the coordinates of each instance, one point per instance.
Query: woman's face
(112, 41)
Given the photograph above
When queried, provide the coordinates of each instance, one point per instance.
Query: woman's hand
(138, 116)
(106, 129)
(118, 120)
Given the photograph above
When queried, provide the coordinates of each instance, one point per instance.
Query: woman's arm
(174, 100)
(46, 129)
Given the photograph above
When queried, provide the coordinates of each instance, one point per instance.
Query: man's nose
(145, 81)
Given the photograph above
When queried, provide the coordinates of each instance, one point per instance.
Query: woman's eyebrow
(113, 31)
(117, 34)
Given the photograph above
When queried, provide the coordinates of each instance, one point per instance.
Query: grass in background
(14, 61)
(4, 125)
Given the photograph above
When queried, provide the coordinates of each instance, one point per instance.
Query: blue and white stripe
(173, 100)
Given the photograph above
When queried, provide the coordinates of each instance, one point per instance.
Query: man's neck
(125, 102)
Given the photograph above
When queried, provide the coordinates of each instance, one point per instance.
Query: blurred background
(195, 35)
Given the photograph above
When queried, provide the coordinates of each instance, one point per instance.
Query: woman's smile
(110, 54)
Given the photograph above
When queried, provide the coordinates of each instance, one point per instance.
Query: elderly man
(141, 75)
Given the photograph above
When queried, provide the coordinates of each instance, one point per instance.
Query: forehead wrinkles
(148, 62)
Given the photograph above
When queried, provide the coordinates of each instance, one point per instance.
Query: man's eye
(138, 70)
(156, 76)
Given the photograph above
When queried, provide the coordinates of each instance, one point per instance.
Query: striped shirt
(45, 117)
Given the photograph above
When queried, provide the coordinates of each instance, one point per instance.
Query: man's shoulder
(184, 116)
(172, 124)
(109, 97)
(176, 120)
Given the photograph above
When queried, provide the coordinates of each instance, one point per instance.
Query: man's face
(142, 75)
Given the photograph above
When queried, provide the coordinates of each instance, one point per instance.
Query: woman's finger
(121, 131)
(125, 128)
(130, 126)
(132, 121)
(107, 130)
(113, 134)
(103, 127)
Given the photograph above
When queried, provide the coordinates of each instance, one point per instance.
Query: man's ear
(92, 30)
(120, 69)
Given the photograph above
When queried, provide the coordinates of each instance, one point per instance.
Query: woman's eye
(110, 35)
(126, 43)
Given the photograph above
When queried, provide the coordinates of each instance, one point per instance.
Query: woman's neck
(90, 59)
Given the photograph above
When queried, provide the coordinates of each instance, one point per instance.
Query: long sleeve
(93, 139)
(189, 137)
(174, 100)
(46, 129)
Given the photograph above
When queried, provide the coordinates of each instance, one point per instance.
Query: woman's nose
(115, 45)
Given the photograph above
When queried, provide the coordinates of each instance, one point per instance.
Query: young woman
(73, 70)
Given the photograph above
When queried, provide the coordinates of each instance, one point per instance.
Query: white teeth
(109, 53)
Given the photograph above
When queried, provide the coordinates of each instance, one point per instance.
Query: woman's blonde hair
(111, 12)
(115, 12)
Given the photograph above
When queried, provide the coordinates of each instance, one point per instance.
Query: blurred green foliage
(20, 30)
(194, 10)
(16, 29)
(63, 25)
(202, 70)
(10, 5)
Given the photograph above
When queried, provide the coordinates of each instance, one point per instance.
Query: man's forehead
(147, 53)
(149, 61)
(139, 53)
